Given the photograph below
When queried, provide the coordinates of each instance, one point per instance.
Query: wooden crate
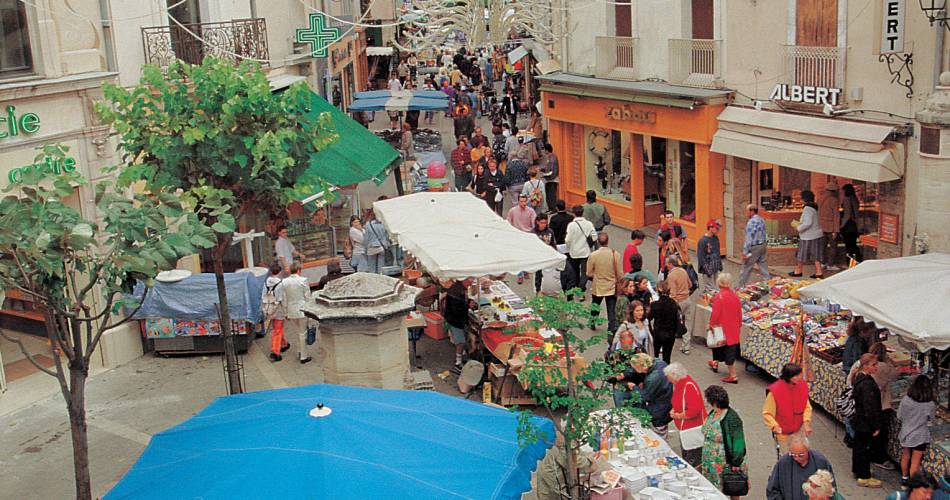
(507, 391)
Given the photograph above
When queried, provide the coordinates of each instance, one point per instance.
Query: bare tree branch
(27, 353)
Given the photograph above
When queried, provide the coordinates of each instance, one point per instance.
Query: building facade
(818, 91)
(52, 67)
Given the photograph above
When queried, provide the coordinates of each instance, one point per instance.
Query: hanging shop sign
(341, 54)
(55, 166)
(318, 35)
(892, 27)
(11, 126)
(806, 94)
(630, 114)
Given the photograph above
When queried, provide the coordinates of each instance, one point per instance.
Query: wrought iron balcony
(616, 56)
(696, 62)
(815, 66)
(234, 40)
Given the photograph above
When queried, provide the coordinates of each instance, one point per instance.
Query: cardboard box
(507, 391)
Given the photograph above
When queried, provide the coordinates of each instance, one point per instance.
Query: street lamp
(935, 10)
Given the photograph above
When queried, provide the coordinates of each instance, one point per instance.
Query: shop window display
(608, 163)
(681, 179)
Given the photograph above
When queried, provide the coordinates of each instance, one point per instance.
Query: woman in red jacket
(727, 314)
(687, 413)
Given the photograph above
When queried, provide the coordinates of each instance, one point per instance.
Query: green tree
(65, 264)
(217, 136)
(570, 394)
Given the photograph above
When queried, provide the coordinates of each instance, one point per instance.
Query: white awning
(283, 81)
(517, 54)
(379, 51)
(843, 148)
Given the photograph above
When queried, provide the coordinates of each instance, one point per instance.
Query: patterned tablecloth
(770, 353)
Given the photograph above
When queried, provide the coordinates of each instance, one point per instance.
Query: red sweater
(727, 313)
(694, 403)
(627, 252)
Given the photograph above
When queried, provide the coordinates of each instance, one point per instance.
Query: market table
(647, 459)
(769, 353)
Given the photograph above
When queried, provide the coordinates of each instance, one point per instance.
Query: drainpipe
(108, 42)
(938, 55)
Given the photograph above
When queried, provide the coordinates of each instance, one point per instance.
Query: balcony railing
(234, 40)
(815, 66)
(616, 56)
(696, 62)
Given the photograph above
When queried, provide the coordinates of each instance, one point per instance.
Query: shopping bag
(311, 334)
(715, 336)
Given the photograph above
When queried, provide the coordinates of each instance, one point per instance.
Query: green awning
(357, 156)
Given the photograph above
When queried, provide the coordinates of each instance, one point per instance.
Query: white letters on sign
(806, 94)
(892, 29)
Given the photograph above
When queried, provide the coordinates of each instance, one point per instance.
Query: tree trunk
(230, 356)
(76, 406)
(573, 477)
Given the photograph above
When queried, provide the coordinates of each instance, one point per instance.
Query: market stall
(179, 314)
(772, 314)
(644, 463)
(456, 236)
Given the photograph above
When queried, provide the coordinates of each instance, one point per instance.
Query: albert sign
(892, 27)
(628, 113)
(806, 94)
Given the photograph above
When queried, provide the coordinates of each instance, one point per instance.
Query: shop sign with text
(55, 166)
(629, 113)
(11, 125)
(806, 94)
(892, 27)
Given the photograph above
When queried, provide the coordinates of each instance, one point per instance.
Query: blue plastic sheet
(376, 444)
(195, 296)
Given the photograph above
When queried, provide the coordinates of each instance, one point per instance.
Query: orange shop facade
(643, 147)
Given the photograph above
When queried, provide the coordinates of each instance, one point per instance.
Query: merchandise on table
(646, 464)
(774, 306)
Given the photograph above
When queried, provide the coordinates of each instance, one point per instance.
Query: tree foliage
(81, 272)
(215, 135)
(564, 389)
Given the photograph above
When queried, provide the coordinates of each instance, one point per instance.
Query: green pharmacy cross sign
(318, 35)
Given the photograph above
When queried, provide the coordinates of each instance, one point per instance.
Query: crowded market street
(499, 249)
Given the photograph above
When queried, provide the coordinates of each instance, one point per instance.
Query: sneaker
(285, 347)
(275, 357)
(684, 350)
(306, 360)
(832, 268)
(869, 483)
(458, 364)
(884, 465)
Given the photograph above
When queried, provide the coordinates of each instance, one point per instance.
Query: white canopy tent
(456, 236)
(910, 296)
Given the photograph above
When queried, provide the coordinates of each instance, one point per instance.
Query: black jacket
(558, 224)
(664, 315)
(868, 416)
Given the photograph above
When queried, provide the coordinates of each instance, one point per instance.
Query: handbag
(715, 336)
(691, 438)
(498, 196)
(844, 403)
(311, 334)
(681, 329)
(734, 484)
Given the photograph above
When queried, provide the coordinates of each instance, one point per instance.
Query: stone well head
(362, 341)
(362, 296)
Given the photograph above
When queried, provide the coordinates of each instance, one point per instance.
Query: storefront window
(608, 163)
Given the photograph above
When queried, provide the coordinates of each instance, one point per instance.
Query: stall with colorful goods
(775, 311)
(455, 236)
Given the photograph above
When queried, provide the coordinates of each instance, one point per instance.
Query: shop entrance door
(673, 176)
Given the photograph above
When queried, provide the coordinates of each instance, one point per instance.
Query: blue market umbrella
(403, 100)
(374, 443)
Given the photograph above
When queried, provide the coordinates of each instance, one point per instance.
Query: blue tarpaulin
(375, 444)
(195, 296)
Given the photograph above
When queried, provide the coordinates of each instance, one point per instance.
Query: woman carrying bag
(723, 457)
(687, 412)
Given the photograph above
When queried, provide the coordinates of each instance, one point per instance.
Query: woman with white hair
(821, 486)
(727, 315)
(687, 412)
